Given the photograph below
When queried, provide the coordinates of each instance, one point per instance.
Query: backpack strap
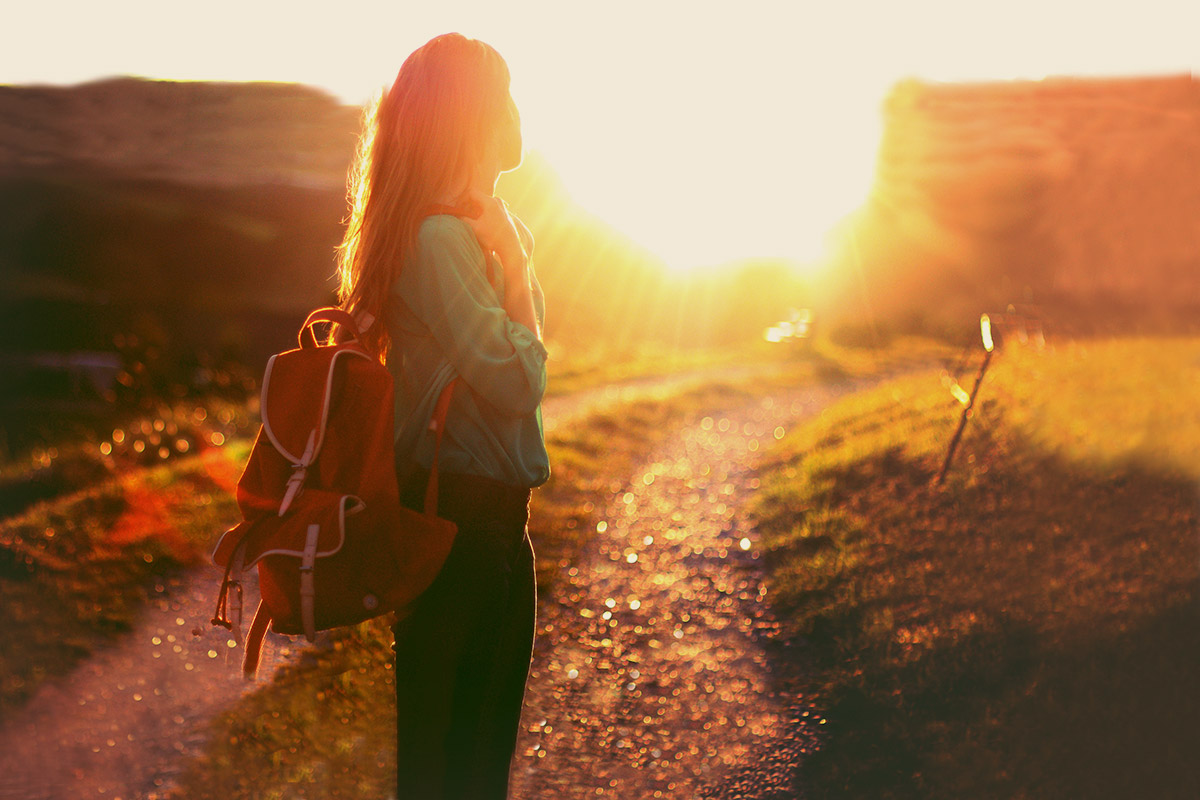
(437, 424)
(307, 595)
(232, 581)
(338, 316)
(254, 641)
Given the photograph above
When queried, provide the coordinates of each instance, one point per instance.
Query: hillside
(1080, 196)
(208, 214)
(227, 134)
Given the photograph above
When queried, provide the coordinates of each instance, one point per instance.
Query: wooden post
(985, 327)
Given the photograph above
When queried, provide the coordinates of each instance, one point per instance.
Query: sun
(762, 181)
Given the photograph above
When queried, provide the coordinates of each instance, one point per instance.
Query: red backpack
(322, 518)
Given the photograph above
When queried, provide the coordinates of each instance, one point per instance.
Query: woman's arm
(498, 356)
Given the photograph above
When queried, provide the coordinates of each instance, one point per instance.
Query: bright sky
(707, 131)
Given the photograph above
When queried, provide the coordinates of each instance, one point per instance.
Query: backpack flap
(297, 398)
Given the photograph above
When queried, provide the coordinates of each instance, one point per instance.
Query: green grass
(326, 727)
(74, 572)
(78, 438)
(1031, 629)
(587, 370)
(799, 361)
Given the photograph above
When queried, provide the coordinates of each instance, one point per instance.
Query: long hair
(422, 140)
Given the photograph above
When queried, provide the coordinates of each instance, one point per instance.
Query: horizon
(758, 128)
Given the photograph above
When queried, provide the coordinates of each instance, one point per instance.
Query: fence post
(985, 329)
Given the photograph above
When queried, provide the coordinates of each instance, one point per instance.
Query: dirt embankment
(1081, 195)
(205, 133)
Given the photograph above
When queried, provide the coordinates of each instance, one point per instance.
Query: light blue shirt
(446, 320)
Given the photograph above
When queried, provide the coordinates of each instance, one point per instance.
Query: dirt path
(650, 677)
(565, 408)
(122, 724)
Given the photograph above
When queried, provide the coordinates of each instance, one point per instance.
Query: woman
(445, 266)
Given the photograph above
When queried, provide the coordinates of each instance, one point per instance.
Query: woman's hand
(500, 232)
(507, 237)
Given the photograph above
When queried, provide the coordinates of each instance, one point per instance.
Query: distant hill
(229, 134)
(1080, 196)
(203, 216)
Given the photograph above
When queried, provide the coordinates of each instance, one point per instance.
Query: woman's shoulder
(439, 232)
(445, 247)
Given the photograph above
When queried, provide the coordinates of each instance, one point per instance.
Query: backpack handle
(337, 316)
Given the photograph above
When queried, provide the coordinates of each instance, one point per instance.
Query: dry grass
(74, 572)
(1029, 630)
(325, 727)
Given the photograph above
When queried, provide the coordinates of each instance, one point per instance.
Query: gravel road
(650, 677)
(651, 674)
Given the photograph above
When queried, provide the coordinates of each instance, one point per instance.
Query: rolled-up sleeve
(445, 287)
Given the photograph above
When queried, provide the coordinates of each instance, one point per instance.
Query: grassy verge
(80, 448)
(805, 360)
(582, 371)
(326, 726)
(74, 572)
(1032, 628)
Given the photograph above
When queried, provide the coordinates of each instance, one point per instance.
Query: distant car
(797, 327)
(78, 374)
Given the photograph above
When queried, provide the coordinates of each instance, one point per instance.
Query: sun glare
(768, 192)
(706, 135)
(750, 151)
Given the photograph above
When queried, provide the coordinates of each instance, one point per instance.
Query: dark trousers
(463, 653)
